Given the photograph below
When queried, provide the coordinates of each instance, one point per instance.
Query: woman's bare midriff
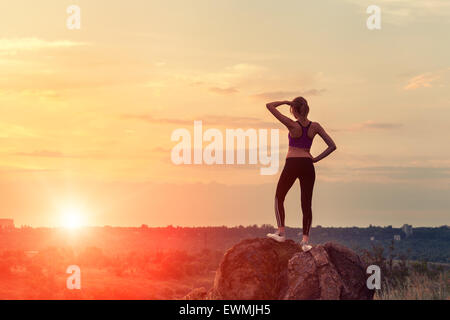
(294, 152)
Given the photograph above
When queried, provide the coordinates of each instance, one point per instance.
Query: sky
(87, 116)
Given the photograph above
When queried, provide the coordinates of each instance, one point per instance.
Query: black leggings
(303, 169)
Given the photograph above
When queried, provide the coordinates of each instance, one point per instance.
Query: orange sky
(86, 115)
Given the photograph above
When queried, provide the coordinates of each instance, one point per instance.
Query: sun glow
(72, 218)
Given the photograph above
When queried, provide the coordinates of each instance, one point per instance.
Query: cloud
(428, 79)
(379, 125)
(58, 154)
(45, 93)
(150, 119)
(11, 46)
(228, 77)
(313, 92)
(229, 90)
(278, 95)
(42, 153)
(370, 125)
(407, 173)
(15, 131)
(30, 66)
(243, 69)
(6, 170)
(227, 121)
(424, 80)
(161, 150)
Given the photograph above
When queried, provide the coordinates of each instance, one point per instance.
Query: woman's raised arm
(272, 106)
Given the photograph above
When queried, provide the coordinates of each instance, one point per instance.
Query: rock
(196, 294)
(263, 269)
(328, 272)
(254, 269)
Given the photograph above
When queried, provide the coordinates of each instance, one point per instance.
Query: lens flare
(72, 218)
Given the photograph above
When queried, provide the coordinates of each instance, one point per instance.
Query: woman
(299, 163)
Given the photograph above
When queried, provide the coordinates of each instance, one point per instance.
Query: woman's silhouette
(299, 163)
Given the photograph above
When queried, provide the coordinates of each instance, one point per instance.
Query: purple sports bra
(304, 141)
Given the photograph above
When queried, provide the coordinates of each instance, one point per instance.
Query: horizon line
(143, 226)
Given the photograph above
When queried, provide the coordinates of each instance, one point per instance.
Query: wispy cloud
(277, 95)
(4, 169)
(229, 90)
(408, 173)
(229, 77)
(161, 150)
(370, 125)
(8, 130)
(46, 94)
(96, 154)
(378, 125)
(207, 120)
(426, 80)
(44, 154)
(12, 46)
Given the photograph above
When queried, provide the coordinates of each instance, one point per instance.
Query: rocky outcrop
(197, 294)
(261, 268)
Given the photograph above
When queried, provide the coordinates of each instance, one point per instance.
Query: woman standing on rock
(299, 163)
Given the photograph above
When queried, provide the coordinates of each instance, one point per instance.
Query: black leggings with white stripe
(303, 169)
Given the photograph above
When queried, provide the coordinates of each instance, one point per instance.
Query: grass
(403, 279)
(416, 286)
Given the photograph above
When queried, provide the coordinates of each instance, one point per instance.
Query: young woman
(299, 163)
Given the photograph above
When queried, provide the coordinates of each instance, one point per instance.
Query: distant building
(6, 224)
(407, 229)
(397, 237)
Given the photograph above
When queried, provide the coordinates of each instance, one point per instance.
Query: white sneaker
(276, 236)
(305, 247)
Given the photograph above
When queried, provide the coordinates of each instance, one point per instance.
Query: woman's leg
(307, 178)
(287, 179)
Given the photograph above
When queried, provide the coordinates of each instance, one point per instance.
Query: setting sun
(71, 218)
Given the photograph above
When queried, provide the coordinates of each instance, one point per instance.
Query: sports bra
(304, 141)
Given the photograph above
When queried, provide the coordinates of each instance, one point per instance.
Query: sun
(71, 218)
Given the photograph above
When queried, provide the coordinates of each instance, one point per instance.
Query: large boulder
(328, 272)
(261, 268)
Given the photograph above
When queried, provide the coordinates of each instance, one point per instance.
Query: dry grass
(417, 287)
